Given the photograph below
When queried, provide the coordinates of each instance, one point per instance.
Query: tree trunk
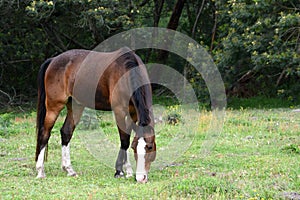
(158, 6)
(173, 24)
(157, 11)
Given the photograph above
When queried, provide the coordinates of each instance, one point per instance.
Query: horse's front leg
(127, 166)
(122, 156)
(119, 163)
(123, 161)
(124, 133)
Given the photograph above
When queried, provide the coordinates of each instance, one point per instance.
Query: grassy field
(256, 156)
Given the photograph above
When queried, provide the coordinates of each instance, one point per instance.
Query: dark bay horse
(116, 81)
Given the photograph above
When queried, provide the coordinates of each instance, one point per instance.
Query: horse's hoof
(119, 174)
(129, 172)
(40, 176)
(129, 175)
(69, 170)
(72, 174)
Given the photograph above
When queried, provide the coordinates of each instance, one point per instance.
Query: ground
(255, 155)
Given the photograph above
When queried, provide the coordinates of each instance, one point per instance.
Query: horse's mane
(141, 96)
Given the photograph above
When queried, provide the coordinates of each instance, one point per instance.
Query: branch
(18, 61)
(246, 76)
(57, 42)
(71, 39)
(213, 36)
(158, 5)
(280, 78)
(7, 95)
(197, 18)
(295, 7)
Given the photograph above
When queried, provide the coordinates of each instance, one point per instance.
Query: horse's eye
(149, 146)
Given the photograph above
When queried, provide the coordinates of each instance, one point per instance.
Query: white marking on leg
(141, 174)
(66, 161)
(127, 166)
(40, 164)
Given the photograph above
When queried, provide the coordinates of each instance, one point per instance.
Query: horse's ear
(134, 143)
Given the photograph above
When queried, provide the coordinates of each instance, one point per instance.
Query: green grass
(256, 156)
(261, 102)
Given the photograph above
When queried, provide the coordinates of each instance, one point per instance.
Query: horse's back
(85, 74)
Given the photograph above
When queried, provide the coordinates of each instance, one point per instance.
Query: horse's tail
(41, 108)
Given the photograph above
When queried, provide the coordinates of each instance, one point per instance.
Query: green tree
(255, 43)
(259, 52)
(33, 30)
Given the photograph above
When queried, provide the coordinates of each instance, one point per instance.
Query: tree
(34, 30)
(255, 43)
(260, 40)
(172, 24)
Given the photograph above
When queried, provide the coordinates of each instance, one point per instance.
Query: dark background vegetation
(254, 43)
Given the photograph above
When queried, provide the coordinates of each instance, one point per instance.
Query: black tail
(41, 109)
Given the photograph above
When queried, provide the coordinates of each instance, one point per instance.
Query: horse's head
(144, 154)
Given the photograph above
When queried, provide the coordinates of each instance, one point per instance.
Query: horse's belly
(97, 101)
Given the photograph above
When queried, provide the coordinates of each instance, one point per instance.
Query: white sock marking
(127, 166)
(40, 164)
(65, 150)
(66, 161)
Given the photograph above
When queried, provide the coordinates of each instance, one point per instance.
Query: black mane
(142, 92)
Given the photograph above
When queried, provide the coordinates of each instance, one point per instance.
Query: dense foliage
(260, 46)
(255, 43)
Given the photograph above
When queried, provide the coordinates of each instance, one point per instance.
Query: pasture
(255, 156)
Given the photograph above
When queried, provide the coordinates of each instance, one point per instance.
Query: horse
(111, 81)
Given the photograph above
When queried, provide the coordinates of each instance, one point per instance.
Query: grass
(261, 102)
(256, 156)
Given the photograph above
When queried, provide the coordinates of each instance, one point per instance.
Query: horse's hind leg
(50, 118)
(72, 119)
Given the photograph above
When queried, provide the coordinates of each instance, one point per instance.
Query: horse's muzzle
(141, 178)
